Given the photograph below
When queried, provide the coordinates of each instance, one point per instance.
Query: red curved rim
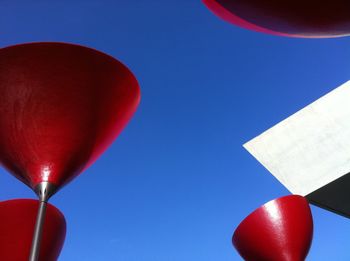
(246, 219)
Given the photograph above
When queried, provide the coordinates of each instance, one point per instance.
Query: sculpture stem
(44, 191)
(38, 231)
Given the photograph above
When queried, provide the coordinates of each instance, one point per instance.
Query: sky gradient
(177, 181)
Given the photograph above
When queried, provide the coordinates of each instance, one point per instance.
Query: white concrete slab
(311, 148)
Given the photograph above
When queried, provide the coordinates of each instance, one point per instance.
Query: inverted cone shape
(280, 230)
(295, 18)
(17, 220)
(61, 106)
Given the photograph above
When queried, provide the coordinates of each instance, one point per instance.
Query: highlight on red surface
(293, 18)
(61, 106)
(280, 230)
(17, 220)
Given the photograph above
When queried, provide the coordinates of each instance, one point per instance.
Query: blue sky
(177, 181)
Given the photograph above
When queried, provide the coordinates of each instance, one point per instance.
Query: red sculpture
(295, 18)
(280, 230)
(61, 105)
(17, 220)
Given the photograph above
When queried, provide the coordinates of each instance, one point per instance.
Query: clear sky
(177, 181)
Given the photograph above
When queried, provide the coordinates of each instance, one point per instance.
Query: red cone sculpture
(17, 220)
(280, 230)
(295, 18)
(61, 105)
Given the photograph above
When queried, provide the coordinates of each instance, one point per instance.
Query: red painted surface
(61, 106)
(280, 230)
(295, 18)
(17, 220)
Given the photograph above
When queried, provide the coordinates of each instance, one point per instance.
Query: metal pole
(35, 249)
(44, 190)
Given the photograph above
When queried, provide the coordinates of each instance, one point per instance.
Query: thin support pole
(44, 191)
(38, 231)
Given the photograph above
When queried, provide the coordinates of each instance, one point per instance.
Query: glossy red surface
(61, 106)
(280, 230)
(17, 220)
(295, 18)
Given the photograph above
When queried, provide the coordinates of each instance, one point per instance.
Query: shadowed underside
(295, 18)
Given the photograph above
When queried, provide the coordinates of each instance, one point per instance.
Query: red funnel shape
(61, 106)
(295, 18)
(280, 230)
(17, 220)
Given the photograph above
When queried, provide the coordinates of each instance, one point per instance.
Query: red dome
(17, 220)
(280, 230)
